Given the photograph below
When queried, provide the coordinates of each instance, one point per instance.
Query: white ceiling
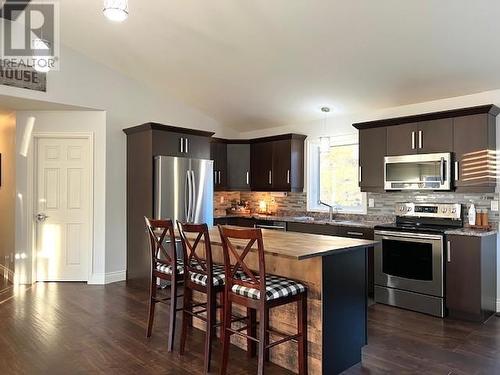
(263, 63)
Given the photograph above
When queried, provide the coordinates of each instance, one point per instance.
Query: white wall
(342, 123)
(83, 82)
(7, 190)
(61, 121)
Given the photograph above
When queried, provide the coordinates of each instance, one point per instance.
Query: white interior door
(62, 208)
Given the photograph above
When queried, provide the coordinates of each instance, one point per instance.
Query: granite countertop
(305, 245)
(472, 232)
(360, 223)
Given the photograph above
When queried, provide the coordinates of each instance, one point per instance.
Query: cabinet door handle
(248, 178)
(288, 176)
(413, 140)
(186, 148)
(182, 145)
(270, 177)
(360, 174)
(355, 234)
(420, 139)
(457, 176)
(448, 256)
(219, 177)
(215, 177)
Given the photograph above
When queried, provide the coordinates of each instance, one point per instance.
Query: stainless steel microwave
(418, 172)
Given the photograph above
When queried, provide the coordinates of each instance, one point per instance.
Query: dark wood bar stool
(202, 275)
(165, 266)
(258, 291)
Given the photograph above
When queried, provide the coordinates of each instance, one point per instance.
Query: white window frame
(313, 175)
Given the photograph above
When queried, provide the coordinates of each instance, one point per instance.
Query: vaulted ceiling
(264, 63)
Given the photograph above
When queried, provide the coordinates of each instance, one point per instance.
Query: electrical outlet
(494, 205)
(371, 202)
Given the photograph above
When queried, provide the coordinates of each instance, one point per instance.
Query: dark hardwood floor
(71, 328)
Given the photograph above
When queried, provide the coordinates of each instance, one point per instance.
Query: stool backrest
(161, 232)
(237, 244)
(195, 261)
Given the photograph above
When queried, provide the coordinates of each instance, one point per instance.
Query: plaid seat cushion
(276, 287)
(217, 275)
(168, 268)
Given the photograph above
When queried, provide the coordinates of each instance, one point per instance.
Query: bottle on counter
(484, 218)
(479, 218)
(472, 214)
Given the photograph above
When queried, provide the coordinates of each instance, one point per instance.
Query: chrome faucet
(330, 209)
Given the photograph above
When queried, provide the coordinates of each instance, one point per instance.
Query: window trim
(312, 174)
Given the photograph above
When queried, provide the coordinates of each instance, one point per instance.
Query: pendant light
(116, 10)
(324, 142)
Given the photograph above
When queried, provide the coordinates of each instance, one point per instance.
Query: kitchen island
(334, 269)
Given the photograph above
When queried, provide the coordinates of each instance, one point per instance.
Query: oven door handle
(421, 236)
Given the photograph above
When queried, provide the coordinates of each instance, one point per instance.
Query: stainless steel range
(409, 258)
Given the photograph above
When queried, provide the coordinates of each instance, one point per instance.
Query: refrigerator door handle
(193, 197)
(187, 195)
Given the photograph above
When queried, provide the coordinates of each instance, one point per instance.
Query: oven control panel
(437, 210)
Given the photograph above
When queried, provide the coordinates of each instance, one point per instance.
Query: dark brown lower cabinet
(247, 222)
(471, 282)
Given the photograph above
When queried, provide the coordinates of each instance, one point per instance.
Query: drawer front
(355, 232)
(241, 222)
(220, 221)
(325, 229)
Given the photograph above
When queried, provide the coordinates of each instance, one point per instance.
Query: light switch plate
(494, 205)
(371, 202)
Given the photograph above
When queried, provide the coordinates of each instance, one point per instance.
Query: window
(333, 176)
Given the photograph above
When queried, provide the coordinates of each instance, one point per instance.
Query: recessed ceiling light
(116, 10)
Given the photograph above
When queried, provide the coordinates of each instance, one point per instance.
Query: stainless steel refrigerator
(184, 189)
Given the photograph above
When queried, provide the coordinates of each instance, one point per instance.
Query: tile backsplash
(295, 204)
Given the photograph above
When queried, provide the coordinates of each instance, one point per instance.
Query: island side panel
(284, 318)
(344, 303)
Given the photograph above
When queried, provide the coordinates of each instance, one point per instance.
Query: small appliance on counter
(409, 258)
(239, 208)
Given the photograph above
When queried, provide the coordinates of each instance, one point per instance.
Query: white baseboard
(113, 277)
(107, 278)
(97, 279)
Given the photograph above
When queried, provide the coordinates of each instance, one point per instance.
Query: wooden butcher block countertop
(298, 245)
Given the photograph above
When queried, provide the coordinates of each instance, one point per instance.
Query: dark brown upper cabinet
(474, 144)
(218, 153)
(468, 133)
(423, 137)
(435, 136)
(372, 149)
(277, 163)
(402, 139)
(238, 166)
(261, 166)
(471, 277)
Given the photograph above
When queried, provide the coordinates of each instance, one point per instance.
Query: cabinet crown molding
(168, 128)
(482, 109)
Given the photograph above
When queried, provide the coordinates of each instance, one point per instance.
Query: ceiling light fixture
(116, 10)
(324, 142)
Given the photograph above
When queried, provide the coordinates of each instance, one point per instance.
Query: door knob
(41, 217)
